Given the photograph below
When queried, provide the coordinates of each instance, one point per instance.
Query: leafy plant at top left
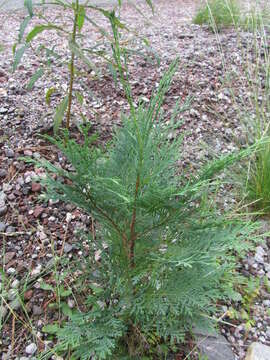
(70, 29)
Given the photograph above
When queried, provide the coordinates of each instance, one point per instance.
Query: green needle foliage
(162, 254)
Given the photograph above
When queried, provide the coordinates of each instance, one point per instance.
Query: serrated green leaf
(39, 29)
(23, 27)
(50, 329)
(66, 309)
(65, 293)
(37, 75)
(46, 287)
(53, 305)
(80, 17)
(29, 5)
(18, 56)
(59, 114)
(48, 95)
(96, 289)
(146, 41)
(236, 296)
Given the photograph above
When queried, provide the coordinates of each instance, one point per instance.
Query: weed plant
(69, 28)
(162, 255)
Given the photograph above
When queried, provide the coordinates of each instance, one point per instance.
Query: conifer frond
(166, 256)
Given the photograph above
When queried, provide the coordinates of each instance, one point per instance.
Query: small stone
(259, 255)
(71, 303)
(28, 294)
(6, 188)
(9, 153)
(37, 310)
(11, 271)
(261, 273)
(20, 112)
(10, 229)
(3, 198)
(42, 235)
(15, 284)
(36, 187)
(11, 197)
(28, 179)
(31, 349)
(12, 293)
(15, 304)
(25, 190)
(6, 356)
(3, 210)
(38, 211)
(37, 270)
(68, 217)
(258, 351)
(3, 110)
(67, 248)
(3, 173)
(2, 226)
(27, 153)
(3, 312)
(9, 256)
(267, 267)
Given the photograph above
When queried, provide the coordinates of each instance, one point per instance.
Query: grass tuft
(258, 185)
(218, 14)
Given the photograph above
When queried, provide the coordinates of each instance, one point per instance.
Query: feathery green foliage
(218, 13)
(162, 255)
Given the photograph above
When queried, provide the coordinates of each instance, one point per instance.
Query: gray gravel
(212, 120)
(18, 4)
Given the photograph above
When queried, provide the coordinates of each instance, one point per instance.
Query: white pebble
(11, 271)
(31, 349)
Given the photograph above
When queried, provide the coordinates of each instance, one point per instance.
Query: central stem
(70, 91)
(133, 234)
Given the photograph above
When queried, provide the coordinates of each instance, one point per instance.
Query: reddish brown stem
(123, 235)
(133, 234)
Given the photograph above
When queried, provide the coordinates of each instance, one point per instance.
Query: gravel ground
(28, 227)
(19, 4)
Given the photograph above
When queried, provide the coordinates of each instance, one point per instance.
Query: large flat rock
(258, 351)
(214, 347)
